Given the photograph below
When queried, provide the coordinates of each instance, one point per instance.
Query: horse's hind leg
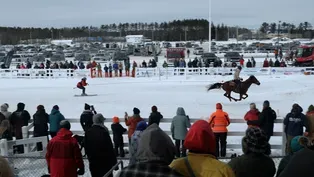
(246, 95)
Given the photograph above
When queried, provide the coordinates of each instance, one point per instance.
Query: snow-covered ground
(119, 95)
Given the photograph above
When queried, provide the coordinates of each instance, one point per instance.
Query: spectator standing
(86, 119)
(110, 70)
(271, 63)
(179, 128)
(266, 63)
(106, 70)
(5, 130)
(253, 62)
(120, 69)
(99, 71)
(131, 122)
(99, 148)
(294, 123)
(200, 141)
(153, 158)
(295, 146)
(41, 119)
(117, 131)
(55, 118)
(251, 117)
(241, 62)
(256, 160)
(310, 120)
(2, 117)
(219, 121)
(127, 68)
(135, 139)
(18, 119)
(249, 64)
(277, 63)
(188, 53)
(63, 156)
(4, 110)
(266, 119)
(301, 163)
(155, 116)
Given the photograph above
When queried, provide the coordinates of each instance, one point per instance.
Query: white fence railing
(152, 72)
(239, 133)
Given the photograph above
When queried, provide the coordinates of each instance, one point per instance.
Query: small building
(134, 39)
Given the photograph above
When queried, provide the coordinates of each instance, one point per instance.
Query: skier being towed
(81, 85)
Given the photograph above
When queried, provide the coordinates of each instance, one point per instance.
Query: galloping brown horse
(230, 86)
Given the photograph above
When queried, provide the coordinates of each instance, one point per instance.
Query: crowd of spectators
(152, 151)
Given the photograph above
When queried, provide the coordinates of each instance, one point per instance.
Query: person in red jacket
(241, 61)
(81, 85)
(64, 158)
(219, 121)
(266, 63)
(251, 117)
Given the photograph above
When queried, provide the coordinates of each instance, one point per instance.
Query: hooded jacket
(295, 121)
(153, 159)
(55, 118)
(86, 119)
(41, 119)
(135, 139)
(18, 119)
(117, 131)
(251, 117)
(63, 155)
(200, 141)
(266, 120)
(4, 111)
(99, 150)
(180, 124)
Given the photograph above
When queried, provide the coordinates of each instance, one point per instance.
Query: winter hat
(311, 108)
(98, 119)
(154, 108)
(87, 106)
(136, 111)
(6, 104)
(266, 103)
(200, 138)
(115, 120)
(218, 106)
(40, 107)
(141, 126)
(255, 140)
(65, 124)
(55, 107)
(295, 144)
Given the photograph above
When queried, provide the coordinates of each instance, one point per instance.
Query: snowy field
(117, 95)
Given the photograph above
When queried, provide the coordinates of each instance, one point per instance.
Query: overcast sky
(69, 13)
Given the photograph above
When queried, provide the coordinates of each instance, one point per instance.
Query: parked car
(232, 57)
(198, 51)
(209, 57)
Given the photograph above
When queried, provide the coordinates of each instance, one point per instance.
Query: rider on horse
(236, 77)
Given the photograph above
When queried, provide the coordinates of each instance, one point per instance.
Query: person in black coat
(41, 119)
(294, 123)
(86, 118)
(118, 131)
(18, 119)
(249, 64)
(266, 119)
(277, 63)
(99, 148)
(154, 117)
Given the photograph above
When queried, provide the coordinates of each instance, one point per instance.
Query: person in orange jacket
(81, 85)
(219, 122)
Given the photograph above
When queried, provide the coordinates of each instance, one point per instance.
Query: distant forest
(187, 29)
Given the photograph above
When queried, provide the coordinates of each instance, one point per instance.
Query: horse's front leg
(228, 96)
(232, 97)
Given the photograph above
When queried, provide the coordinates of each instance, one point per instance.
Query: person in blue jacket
(294, 123)
(54, 120)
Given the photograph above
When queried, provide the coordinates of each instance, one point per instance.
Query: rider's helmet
(239, 67)
(84, 78)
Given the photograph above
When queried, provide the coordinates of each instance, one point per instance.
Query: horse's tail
(214, 86)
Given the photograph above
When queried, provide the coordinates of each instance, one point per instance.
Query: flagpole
(210, 26)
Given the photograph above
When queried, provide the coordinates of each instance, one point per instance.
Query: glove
(81, 171)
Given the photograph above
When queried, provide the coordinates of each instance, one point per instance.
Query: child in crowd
(118, 131)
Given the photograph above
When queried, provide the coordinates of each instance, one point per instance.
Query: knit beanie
(141, 126)
(87, 106)
(218, 106)
(256, 141)
(295, 144)
(311, 108)
(136, 111)
(40, 107)
(154, 108)
(266, 103)
(55, 107)
(115, 120)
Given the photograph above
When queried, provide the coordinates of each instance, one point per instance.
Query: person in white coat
(237, 79)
